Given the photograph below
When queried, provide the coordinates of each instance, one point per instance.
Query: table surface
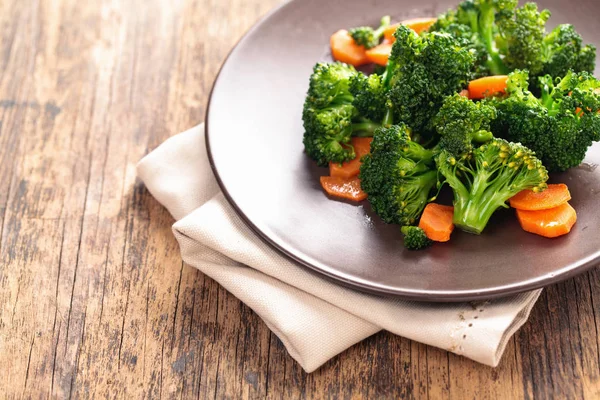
(94, 297)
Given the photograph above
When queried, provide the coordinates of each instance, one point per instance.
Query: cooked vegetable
(329, 117)
(398, 175)
(416, 24)
(528, 200)
(415, 238)
(348, 169)
(563, 50)
(487, 86)
(345, 49)
(368, 37)
(554, 126)
(370, 96)
(450, 101)
(462, 123)
(422, 71)
(436, 222)
(483, 182)
(506, 37)
(343, 188)
(380, 53)
(549, 223)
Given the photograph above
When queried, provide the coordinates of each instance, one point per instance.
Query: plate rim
(425, 295)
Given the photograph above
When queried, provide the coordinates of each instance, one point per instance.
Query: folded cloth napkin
(315, 318)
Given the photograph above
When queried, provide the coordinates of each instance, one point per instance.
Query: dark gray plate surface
(254, 134)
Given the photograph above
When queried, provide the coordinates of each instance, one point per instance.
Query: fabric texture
(315, 318)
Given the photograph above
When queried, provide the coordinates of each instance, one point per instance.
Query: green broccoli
(422, 71)
(370, 96)
(480, 16)
(560, 126)
(415, 238)
(467, 39)
(329, 117)
(563, 50)
(398, 175)
(462, 122)
(521, 33)
(483, 182)
(367, 36)
(505, 37)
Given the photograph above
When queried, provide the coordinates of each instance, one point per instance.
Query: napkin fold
(315, 318)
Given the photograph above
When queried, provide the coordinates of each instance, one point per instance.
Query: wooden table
(94, 297)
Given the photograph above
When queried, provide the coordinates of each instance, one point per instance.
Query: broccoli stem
(472, 213)
(385, 22)
(482, 136)
(388, 120)
(486, 25)
(364, 128)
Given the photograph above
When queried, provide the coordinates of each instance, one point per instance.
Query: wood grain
(94, 298)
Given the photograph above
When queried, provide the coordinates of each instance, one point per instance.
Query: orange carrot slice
(416, 24)
(550, 223)
(344, 49)
(487, 86)
(348, 169)
(555, 195)
(436, 222)
(343, 188)
(464, 93)
(380, 54)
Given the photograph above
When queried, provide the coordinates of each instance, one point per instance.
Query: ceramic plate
(254, 136)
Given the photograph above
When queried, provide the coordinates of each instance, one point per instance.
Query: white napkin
(314, 318)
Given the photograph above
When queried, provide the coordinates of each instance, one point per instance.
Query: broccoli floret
(521, 36)
(329, 117)
(483, 183)
(461, 123)
(398, 175)
(415, 238)
(467, 39)
(563, 50)
(367, 36)
(479, 18)
(505, 37)
(370, 96)
(422, 71)
(560, 126)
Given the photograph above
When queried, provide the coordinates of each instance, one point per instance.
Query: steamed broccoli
(515, 38)
(370, 96)
(483, 182)
(563, 50)
(560, 126)
(329, 117)
(422, 71)
(415, 238)
(367, 36)
(467, 39)
(461, 123)
(398, 175)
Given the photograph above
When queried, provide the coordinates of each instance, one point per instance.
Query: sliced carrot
(555, 195)
(550, 223)
(348, 169)
(343, 188)
(388, 33)
(416, 24)
(344, 49)
(380, 54)
(464, 93)
(436, 222)
(487, 86)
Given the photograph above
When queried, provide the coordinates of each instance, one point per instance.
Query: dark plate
(254, 136)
